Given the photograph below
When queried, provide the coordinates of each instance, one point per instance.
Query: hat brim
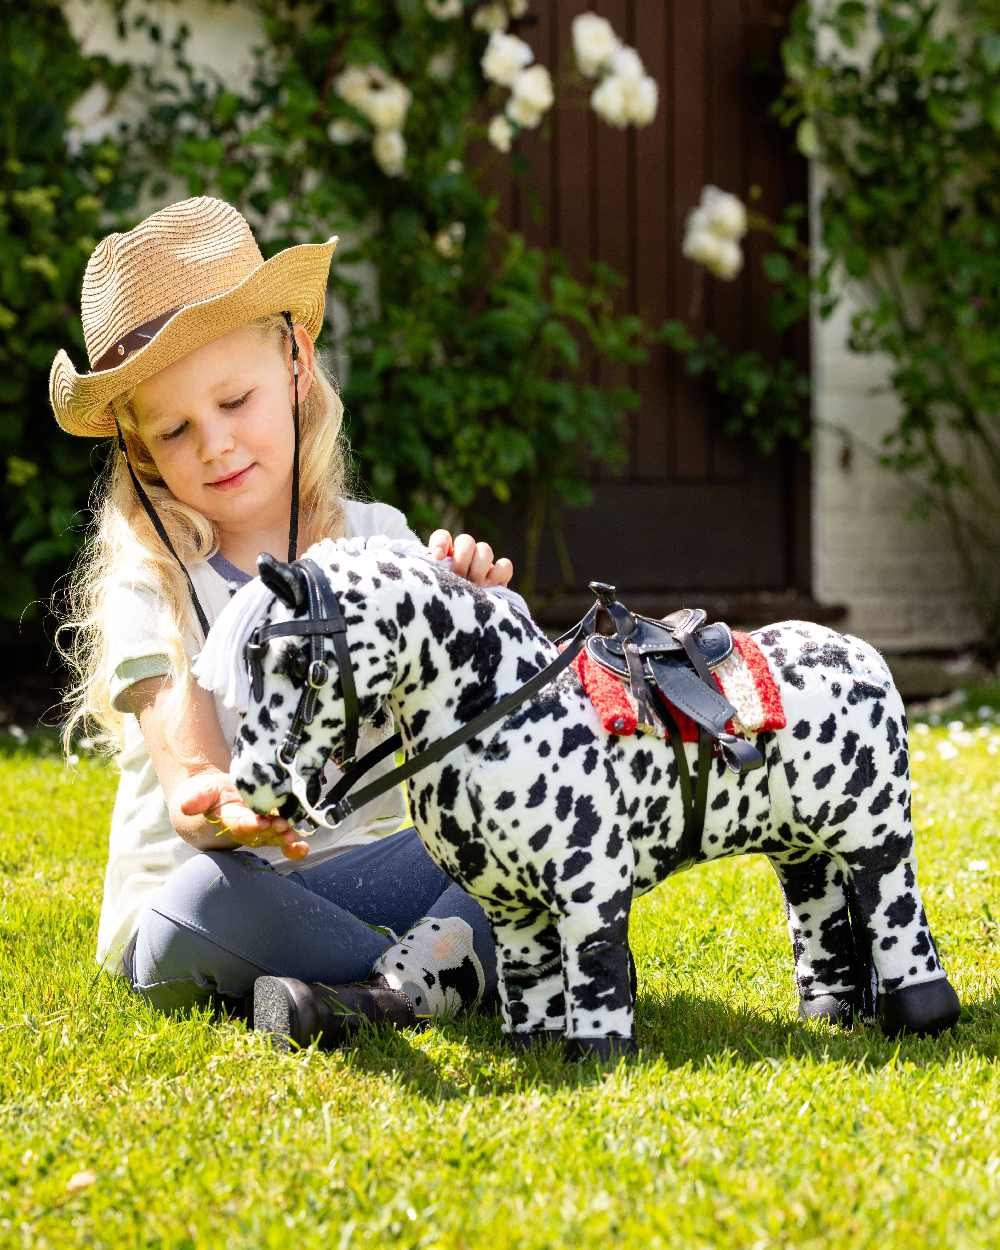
(294, 280)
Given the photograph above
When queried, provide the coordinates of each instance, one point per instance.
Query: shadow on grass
(469, 1056)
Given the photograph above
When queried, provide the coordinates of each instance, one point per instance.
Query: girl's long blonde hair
(122, 547)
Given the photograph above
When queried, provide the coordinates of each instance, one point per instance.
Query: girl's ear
(284, 580)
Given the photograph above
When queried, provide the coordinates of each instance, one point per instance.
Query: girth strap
(692, 799)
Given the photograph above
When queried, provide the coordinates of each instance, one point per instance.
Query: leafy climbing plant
(56, 199)
(464, 375)
(898, 101)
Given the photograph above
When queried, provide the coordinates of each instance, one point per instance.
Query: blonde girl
(228, 442)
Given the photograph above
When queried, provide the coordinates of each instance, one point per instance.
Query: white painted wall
(899, 578)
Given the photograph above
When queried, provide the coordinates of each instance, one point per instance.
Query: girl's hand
(472, 560)
(213, 796)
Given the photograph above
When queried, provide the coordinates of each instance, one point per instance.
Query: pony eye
(296, 665)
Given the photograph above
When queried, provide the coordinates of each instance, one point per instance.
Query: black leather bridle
(327, 620)
(701, 699)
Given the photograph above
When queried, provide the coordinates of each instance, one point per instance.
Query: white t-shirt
(144, 848)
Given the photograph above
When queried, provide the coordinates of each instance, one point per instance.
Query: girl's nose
(216, 441)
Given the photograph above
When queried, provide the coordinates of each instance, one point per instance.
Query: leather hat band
(132, 341)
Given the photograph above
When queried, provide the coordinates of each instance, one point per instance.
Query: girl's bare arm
(195, 759)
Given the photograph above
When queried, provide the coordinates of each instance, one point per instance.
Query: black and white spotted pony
(555, 825)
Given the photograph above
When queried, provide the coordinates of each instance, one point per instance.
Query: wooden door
(695, 513)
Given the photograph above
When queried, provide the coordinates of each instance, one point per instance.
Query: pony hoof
(930, 1007)
(600, 1047)
(838, 1009)
(525, 1041)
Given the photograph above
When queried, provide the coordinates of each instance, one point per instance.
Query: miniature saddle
(666, 663)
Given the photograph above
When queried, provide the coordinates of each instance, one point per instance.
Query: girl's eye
(236, 403)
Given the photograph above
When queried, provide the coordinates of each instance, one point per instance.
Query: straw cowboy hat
(185, 275)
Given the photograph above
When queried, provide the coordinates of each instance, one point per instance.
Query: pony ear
(284, 580)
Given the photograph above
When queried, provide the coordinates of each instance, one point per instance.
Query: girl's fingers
(482, 562)
(465, 550)
(501, 573)
(293, 846)
(240, 819)
(440, 543)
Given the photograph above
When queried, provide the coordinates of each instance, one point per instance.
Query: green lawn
(737, 1125)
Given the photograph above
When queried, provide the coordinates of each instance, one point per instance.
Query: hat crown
(182, 254)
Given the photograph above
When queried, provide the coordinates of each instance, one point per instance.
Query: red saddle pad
(744, 678)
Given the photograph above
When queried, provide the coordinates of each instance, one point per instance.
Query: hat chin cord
(293, 522)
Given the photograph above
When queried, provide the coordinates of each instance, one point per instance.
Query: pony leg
(530, 977)
(846, 765)
(833, 967)
(915, 995)
(599, 979)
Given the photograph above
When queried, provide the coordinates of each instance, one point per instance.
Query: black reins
(326, 618)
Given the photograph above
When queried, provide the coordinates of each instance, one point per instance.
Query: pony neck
(462, 652)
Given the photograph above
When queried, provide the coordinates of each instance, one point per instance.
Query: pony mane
(219, 667)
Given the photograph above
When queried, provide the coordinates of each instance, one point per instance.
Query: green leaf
(807, 138)
(777, 266)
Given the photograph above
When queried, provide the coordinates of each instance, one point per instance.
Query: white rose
(505, 57)
(521, 111)
(449, 240)
(533, 88)
(444, 10)
(386, 109)
(609, 101)
(490, 17)
(625, 63)
(730, 261)
(454, 166)
(500, 133)
(352, 84)
(441, 66)
(340, 130)
(721, 256)
(389, 150)
(702, 246)
(726, 214)
(697, 221)
(641, 98)
(518, 8)
(594, 43)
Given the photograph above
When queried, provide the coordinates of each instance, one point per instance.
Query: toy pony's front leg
(530, 976)
(600, 979)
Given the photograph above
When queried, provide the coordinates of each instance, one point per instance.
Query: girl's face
(225, 409)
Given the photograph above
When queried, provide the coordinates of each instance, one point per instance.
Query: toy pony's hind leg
(914, 993)
(833, 965)
(847, 766)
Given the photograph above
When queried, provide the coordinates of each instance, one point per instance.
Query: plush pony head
(266, 686)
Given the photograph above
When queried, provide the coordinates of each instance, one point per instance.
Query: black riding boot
(298, 1011)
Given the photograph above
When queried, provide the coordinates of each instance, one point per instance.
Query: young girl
(201, 353)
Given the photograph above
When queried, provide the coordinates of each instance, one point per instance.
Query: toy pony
(553, 823)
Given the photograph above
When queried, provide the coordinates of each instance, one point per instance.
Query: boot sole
(283, 1008)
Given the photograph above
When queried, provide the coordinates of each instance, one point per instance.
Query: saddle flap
(689, 694)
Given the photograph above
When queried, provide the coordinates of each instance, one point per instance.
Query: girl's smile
(237, 479)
